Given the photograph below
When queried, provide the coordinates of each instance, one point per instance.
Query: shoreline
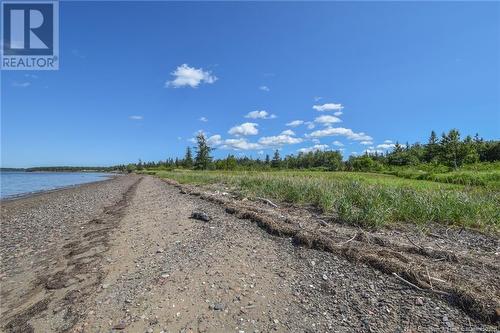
(129, 253)
(39, 234)
(27, 195)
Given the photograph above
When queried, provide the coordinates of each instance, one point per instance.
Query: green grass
(363, 198)
(480, 174)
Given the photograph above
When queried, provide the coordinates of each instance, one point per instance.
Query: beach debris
(200, 216)
(267, 201)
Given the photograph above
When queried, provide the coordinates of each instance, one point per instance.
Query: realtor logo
(30, 35)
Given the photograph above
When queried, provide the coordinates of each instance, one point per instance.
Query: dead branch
(408, 237)
(350, 239)
(407, 282)
(269, 202)
(418, 288)
(429, 276)
(432, 277)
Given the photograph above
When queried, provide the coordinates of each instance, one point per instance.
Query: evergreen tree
(453, 150)
(188, 159)
(203, 158)
(398, 148)
(276, 162)
(432, 148)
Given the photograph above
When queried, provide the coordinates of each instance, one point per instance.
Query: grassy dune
(364, 198)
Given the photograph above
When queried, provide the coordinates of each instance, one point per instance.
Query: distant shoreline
(27, 195)
(55, 170)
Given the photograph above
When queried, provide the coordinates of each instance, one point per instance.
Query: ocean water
(19, 183)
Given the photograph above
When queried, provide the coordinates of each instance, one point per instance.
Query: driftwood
(269, 202)
(407, 282)
(439, 292)
(352, 238)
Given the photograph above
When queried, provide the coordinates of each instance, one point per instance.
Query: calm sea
(18, 183)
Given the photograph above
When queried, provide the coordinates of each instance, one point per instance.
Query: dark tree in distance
(188, 159)
(203, 150)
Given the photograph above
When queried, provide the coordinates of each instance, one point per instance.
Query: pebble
(120, 326)
(218, 306)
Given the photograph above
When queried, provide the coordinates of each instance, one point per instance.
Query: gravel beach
(138, 254)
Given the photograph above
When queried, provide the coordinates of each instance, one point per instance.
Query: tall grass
(364, 199)
(480, 174)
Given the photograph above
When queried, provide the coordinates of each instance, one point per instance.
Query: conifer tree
(188, 159)
(276, 162)
(203, 158)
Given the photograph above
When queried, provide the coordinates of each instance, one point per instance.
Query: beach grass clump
(363, 199)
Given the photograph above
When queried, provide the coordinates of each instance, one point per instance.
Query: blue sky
(138, 80)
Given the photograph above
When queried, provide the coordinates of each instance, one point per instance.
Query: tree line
(448, 150)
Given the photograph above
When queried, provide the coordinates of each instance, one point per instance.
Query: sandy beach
(125, 255)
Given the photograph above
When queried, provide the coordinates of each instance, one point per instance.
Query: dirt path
(146, 266)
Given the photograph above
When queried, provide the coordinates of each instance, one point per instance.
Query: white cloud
(295, 123)
(244, 129)
(313, 148)
(310, 124)
(264, 88)
(190, 77)
(136, 117)
(338, 113)
(326, 119)
(315, 141)
(260, 115)
(240, 144)
(317, 98)
(21, 84)
(214, 140)
(288, 132)
(386, 145)
(328, 107)
(338, 144)
(340, 131)
(279, 140)
(387, 141)
(203, 119)
(366, 143)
